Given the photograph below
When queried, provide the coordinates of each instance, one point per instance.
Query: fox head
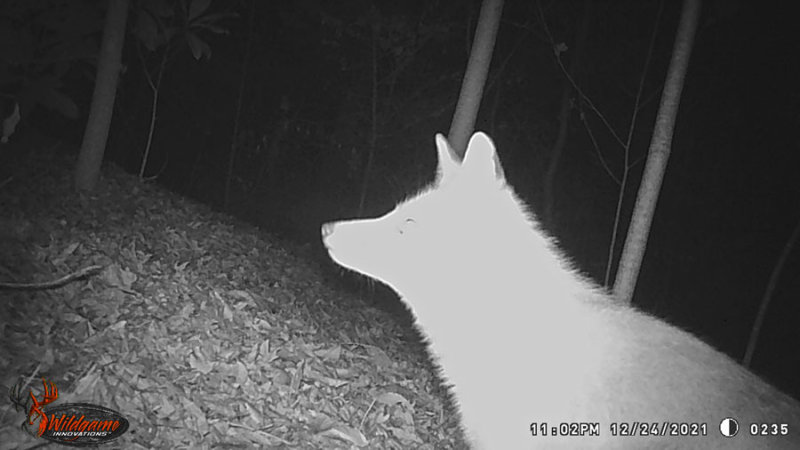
(522, 336)
(429, 243)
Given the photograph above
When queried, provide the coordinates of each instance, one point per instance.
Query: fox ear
(448, 161)
(480, 159)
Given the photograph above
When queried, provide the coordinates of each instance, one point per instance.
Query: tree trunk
(658, 155)
(475, 76)
(105, 89)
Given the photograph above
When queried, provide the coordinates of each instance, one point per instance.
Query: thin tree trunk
(768, 295)
(626, 147)
(155, 87)
(242, 81)
(475, 76)
(658, 155)
(87, 169)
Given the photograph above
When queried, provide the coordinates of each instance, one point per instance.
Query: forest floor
(202, 331)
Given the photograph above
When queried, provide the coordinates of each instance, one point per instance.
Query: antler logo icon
(50, 395)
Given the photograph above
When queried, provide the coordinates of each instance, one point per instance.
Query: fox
(536, 354)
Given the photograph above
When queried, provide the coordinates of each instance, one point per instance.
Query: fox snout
(327, 230)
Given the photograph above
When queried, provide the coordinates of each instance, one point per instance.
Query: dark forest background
(310, 113)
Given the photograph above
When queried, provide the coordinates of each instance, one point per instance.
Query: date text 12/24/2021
(728, 427)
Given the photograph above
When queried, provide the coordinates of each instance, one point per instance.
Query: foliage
(160, 22)
(43, 42)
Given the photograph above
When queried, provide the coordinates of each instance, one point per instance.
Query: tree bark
(105, 89)
(658, 155)
(475, 76)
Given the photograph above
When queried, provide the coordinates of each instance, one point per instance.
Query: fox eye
(408, 223)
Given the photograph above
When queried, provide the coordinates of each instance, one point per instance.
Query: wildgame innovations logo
(74, 424)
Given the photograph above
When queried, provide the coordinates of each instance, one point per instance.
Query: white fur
(523, 338)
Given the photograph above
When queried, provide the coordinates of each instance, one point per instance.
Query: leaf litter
(203, 331)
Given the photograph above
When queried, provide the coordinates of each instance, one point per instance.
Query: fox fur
(527, 343)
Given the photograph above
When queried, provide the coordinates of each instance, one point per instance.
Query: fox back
(537, 355)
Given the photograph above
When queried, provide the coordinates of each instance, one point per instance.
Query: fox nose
(327, 229)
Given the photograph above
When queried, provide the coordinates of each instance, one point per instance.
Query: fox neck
(511, 288)
(512, 275)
